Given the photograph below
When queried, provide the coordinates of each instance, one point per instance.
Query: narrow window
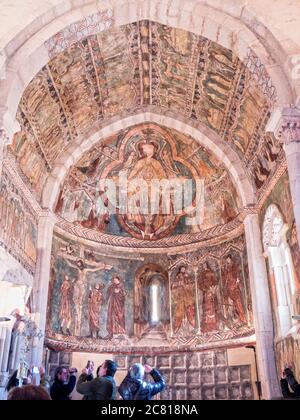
(154, 317)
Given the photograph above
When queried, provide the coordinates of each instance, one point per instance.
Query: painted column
(262, 311)
(5, 338)
(41, 281)
(285, 124)
(4, 362)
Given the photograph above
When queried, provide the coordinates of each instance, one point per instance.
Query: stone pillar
(262, 311)
(285, 124)
(5, 339)
(4, 362)
(41, 282)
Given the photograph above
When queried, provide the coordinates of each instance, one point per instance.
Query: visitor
(44, 379)
(63, 386)
(13, 381)
(134, 387)
(289, 383)
(103, 387)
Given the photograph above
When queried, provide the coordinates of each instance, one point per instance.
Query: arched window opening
(280, 261)
(154, 302)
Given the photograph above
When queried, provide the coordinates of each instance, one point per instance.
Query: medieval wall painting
(197, 298)
(18, 224)
(184, 307)
(219, 300)
(91, 296)
(108, 74)
(147, 155)
(210, 296)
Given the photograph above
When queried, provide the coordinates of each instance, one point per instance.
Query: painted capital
(285, 125)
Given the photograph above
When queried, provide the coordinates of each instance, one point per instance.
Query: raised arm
(99, 267)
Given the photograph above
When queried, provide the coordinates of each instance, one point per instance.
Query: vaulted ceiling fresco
(142, 64)
(140, 160)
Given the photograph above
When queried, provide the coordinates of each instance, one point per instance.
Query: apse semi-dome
(148, 182)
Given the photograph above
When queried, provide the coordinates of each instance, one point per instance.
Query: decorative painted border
(232, 338)
(260, 74)
(79, 30)
(221, 232)
(267, 189)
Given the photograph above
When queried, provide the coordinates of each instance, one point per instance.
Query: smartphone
(35, 370)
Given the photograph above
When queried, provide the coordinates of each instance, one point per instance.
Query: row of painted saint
(219, 305)
(18, 229)
(232, 299)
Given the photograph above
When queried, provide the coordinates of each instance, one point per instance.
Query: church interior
(102, 100)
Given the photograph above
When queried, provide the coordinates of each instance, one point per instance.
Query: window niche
(151, 300)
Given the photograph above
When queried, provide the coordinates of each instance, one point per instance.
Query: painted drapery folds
(99, 300)
(90, 295)
(210, 292)
(147, 156)
(18, 224)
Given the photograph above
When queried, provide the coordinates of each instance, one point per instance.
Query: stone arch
(25, 54)
(272, 227)
(203, 135)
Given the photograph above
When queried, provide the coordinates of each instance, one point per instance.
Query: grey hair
(137, 371)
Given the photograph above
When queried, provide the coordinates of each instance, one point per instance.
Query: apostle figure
(228, 212)
(116, 307)
(95, 301)
(207, 283)
(232, 290)
(183, 297)
(65, 306)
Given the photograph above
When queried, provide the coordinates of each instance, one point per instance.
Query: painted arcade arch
(151, 299)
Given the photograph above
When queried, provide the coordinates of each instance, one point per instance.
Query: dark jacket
(285, 390)
(101, 388)
(60, 391)
(293, 383)
(137, 389)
